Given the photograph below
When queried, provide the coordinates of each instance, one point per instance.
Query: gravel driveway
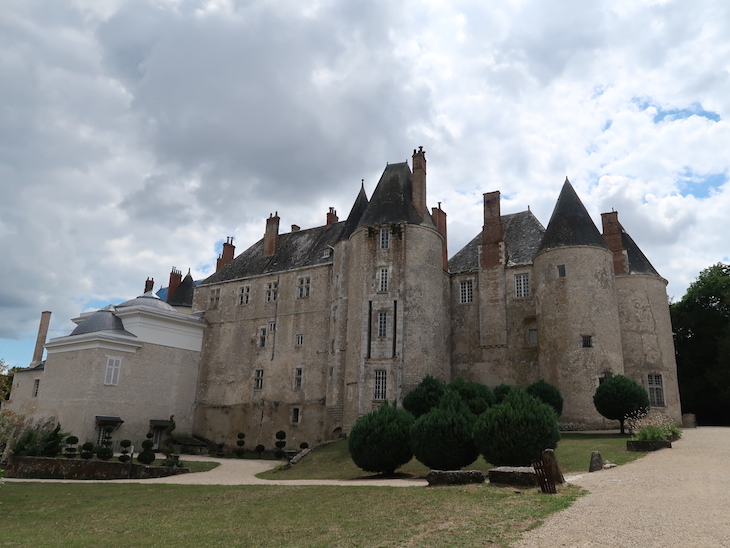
(672, 497)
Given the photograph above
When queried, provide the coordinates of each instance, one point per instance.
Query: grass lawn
(80, 515)
(573, 452)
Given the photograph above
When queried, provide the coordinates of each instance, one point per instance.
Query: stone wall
(80, 469)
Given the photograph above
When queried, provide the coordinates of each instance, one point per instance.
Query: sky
(137, 135)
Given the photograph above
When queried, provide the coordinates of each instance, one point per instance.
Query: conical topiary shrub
(280, 444)
(379, 441)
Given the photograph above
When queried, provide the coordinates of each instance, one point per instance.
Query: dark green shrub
(147, 455)
(501, 391)
(106, 452)
(424, 397)
(618, 398)
(53, 442)
(168, 443)
(379, 441)
(70, 448)
(516, 431)
(37, 442)
(280, 444)
(259, 449)
(478, 397)
(125, 445)
(87, 450)
(240, 442)
(442, 438)
(547, 393)
(304, 445)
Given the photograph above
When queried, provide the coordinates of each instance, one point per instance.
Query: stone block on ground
(596, 462)
(549, 458)
(454, 477)
(523, 476)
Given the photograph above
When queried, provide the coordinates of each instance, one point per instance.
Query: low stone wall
(523, 476)
(454, 477)
(647, 445)
(81, 469)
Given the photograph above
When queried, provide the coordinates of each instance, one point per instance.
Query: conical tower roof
(570, 224)
(183, 295)
(358, 208)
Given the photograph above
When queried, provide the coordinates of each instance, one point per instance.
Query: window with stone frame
(296, 415)
(532, 337)
(262, 337)
(466, 291)
(214, 298)
(522, 285)
(299, 339)
(258, 379)
(113, 366)
(561, 271)
(383, 279)
(298, 378)
(380, 386)
(303, 287)
(382, 324)
(36, 387)
(384, 238)
(244, 295)
(586, 341)
(272, 292)
(656, 390)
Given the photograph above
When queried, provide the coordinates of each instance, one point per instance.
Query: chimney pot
(271, 235)
(41, 339)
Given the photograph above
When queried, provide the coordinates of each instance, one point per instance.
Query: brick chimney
(439, 217)
(227, 255)
(613, 234)
(492, 232)
(149, 285)
(332, 217)
(175, 279)
(41, 339)
(271, 235)
(419, 181)
(295, 228)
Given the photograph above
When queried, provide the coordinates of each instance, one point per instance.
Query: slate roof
(522, 236)
(148, 299)
(353, 219)
(570, 224)
(183, 295)
(392, 201)
(638, 263)
(102, 320)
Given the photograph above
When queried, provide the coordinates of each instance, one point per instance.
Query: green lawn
(573, 452)
(139, 515)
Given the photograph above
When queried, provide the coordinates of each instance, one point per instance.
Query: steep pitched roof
(293, 250)
(356, 213)
(183, 295)
(638, 263)
(570, 224)
(392, 201)
(522, 236)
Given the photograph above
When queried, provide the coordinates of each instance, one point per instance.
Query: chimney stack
(175, 279)
(419, 181)
(332, 217)
(41, 340)
(439, 218)
(613, 234)
(227, 255)
(492, 231)
(271, 235)
(149, 285)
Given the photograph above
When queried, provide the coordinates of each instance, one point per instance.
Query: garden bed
(647, 445)
(82, 469)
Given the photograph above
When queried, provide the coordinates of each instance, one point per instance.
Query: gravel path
(672, 497)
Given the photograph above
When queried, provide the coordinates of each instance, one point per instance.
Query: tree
(6, 379)
(547, 393)
(701, 323)
(516, 431)
(619, 398)
(501, 391)
(424, 397)
(478, 397)
(379, 441)
(442, 438)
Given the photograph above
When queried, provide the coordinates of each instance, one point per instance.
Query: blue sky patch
(699, 185)
(695, 109)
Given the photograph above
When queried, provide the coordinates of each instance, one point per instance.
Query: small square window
(383, 280)
(299, 340)
(303, 288)
(384, 238)
(244, 295)
(327, 253)
(272, 292)
(382, 324)
(522, 285)
(466, 291)
(587, 341)
(258, 379)
(532, 337)
(561, 271)
(272, 327)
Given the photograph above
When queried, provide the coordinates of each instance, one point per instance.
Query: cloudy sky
(136, 135)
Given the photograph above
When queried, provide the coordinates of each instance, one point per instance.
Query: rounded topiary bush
(516, 431)
(87, 450)
(304, 445)
(240, 443)
(477, 396)
(259, 449)
(70, 449)
(125, 445)
(424, 397)
(147, 455)
(379, 441)
(619, 397)
(547, 393)
(442, 438)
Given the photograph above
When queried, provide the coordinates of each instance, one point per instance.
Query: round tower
(577, 311)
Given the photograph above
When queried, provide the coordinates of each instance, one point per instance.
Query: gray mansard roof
(102, 320)
(522, 236)
(570, 224)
